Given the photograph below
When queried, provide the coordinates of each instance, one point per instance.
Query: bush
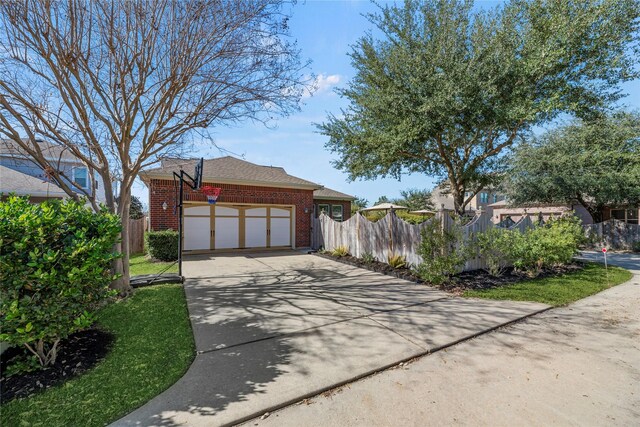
(397, 261)
(443, 253)
(55, 269)
(554, 243)
(340, 251)
(162, 245)
(368, 258)
(636, 246)
(411, 218)
(494, 247)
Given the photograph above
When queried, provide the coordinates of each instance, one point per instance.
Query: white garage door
(236, 227)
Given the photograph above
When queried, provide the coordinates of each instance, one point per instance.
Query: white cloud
(322, 84)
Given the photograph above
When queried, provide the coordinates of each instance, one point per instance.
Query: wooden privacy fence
(392, 235)
(613, 234)
(137, 228)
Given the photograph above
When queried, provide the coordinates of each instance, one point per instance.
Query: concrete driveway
(572, 366)
(272, 329)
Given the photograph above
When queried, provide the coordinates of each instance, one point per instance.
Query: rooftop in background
(23, 184)
(229, 170)
(52, 152)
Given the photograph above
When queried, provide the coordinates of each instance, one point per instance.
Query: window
(336, 212)
(80, 177)
(484, 197)
(630, 216)
(323, 208)
(495, 198)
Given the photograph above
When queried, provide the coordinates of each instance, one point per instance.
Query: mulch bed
(76, 354)
(476, 279)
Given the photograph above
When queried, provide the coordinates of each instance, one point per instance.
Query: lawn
(140, 264)
(560, 290)
(153, 348)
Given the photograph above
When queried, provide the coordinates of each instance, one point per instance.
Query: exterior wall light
(164, 206)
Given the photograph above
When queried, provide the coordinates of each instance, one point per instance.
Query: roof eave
(146, 177)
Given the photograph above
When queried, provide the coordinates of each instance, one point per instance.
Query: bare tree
(120, 83)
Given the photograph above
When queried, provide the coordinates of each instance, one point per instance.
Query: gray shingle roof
(230, 170)
(9, 148)
(329, 194)
(12, 181)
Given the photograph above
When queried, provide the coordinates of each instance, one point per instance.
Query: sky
(324, 31)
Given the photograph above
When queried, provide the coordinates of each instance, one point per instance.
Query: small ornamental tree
(55, 260)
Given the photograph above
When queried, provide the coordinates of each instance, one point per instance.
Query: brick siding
(165, 191)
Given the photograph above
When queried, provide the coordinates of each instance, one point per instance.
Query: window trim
(320, 209)
(86, 176)
(341, 213)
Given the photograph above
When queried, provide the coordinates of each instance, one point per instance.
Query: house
(22, 175)
(481, 201)
(258, 207)
(502, 210)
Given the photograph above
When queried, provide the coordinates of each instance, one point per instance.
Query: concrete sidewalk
(272, 329)
(577, 365)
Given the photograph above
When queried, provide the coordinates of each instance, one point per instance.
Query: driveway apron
(272, 329)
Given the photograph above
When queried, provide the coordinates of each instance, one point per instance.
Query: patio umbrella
(422, 212)
(384, 207)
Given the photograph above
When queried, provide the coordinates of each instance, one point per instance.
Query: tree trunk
(458, 200)
(121, 265)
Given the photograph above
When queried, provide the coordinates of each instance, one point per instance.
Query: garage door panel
(280, 212)
(197, 232)
(280, 232)
(255, 235)
(197, 210)
(225, 211)
(256, 212)
(227, 234)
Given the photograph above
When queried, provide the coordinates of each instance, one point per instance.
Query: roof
(229, 170)
(12, 181)
(51, 152)
(329, 194)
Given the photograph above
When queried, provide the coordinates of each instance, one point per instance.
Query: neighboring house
(259, 206)
(481, 201)
(20, 174)
(502, 210)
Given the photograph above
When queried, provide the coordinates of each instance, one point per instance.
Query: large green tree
(448, 89)
(415, 199)
(595, 163)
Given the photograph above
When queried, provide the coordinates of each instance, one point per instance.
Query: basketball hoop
(212, 194)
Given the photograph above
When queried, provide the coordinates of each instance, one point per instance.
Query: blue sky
(324, 31)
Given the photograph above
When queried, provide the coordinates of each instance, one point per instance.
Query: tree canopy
(448, 89)
(415, 199)
(595, 163)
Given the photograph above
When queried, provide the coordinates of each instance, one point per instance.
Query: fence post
(392, 214)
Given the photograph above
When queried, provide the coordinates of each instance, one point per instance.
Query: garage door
(236, 227)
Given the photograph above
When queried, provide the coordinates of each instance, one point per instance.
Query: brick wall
(346, 207)
(165, 191)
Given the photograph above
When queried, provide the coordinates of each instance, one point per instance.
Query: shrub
(443, 253)
(554, 243)
(368, 258)
(494, 247)
(162, 245)
(340, 251)
(55, 269)
(636, 246)
(411, 218)
(396, 261)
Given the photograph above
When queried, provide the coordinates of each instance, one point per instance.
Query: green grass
(560, 290)
(153, 348)
(140, 264)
